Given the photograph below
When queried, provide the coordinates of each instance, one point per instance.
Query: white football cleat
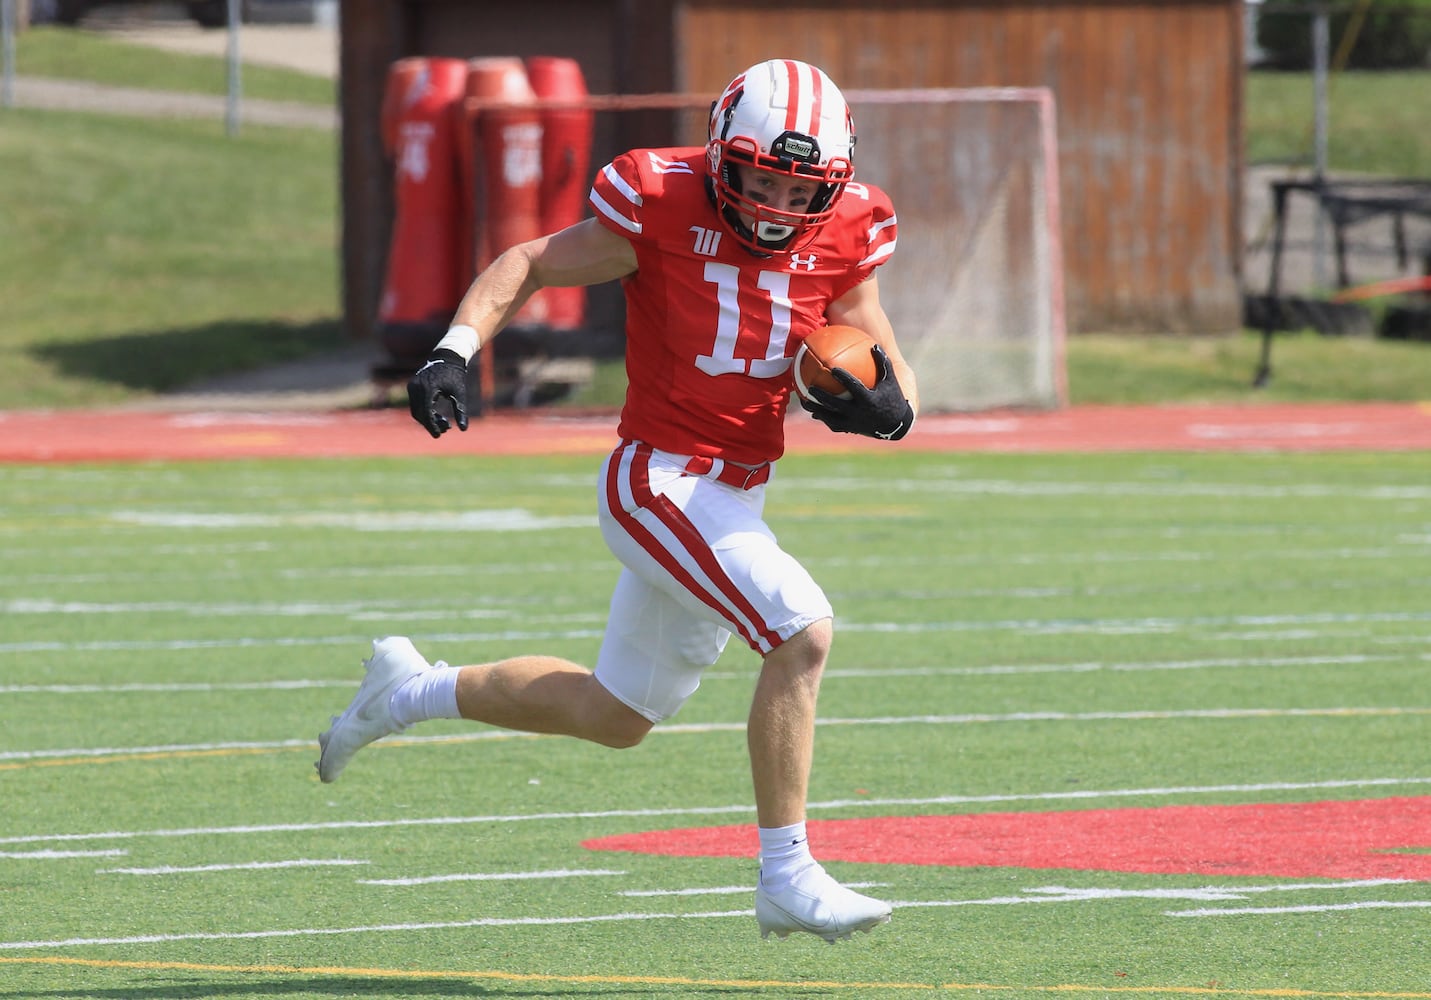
(368, 717)
(815, 903)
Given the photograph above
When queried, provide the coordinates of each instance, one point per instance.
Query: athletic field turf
(1150, 725)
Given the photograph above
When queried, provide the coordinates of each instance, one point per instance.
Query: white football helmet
(789, 118)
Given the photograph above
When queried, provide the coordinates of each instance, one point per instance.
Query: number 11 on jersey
(775, 288)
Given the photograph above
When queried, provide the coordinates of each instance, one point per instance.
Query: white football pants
(699, 563)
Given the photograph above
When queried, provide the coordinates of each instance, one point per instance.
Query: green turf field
(1168, 635)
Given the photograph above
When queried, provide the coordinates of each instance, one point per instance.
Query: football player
(729, 257)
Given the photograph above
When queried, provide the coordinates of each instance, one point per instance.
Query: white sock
(784, 852)
(431, 694)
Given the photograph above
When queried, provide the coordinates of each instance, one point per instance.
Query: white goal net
(974, 290)
(975, 287)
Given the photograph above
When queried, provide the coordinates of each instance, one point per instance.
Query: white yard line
(742, 809)
(1042, 895)
(173, 688)
(1370, 904)
(1026, 626)
(943, 559)
(1018, 488)
(510, 608)
(244, 866)
(1065, 894)
(298, 572)
(504, 520)
(833, 673)
(728, 890)
(59, 855)
(701, 728)
(492, 876)
(370, 929)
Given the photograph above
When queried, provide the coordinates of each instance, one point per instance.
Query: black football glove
(444, 376)
(881, 412)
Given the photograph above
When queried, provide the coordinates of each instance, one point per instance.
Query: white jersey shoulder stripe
(880, 239)
(604, 207)
(879, 227)
(619, 183)
(879, 254)
(664, 166)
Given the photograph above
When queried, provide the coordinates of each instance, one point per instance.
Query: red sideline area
(146, 435)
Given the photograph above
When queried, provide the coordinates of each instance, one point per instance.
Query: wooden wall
(1149, 121)
(1149, 101)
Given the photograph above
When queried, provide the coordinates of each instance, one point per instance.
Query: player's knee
(615, 724)
(623, 732)
(801, 658)
(820, 635)
(809, 648)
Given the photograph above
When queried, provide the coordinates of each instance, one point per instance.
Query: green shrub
(1393, 35)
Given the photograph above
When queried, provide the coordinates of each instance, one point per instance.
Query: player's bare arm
(583, 254)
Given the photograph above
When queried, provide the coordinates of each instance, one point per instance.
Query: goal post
(975, 287)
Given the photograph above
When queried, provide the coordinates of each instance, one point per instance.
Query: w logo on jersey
(707, 241)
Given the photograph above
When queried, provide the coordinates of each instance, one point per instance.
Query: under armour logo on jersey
(808, 263)
(707, 240)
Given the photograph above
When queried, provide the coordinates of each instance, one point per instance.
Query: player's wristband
(460, 340)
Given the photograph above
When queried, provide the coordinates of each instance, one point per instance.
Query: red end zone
(147, 435)
(1375, 838)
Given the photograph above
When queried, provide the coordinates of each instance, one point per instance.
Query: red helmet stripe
(812, 125)
(792, 102)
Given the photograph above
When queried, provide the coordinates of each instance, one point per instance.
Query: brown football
(830, 347)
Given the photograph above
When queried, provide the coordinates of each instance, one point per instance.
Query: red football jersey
(710, 327)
